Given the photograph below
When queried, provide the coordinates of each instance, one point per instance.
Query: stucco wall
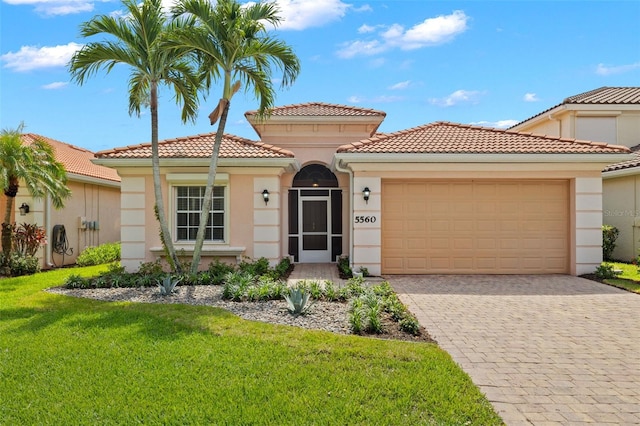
(622, 210)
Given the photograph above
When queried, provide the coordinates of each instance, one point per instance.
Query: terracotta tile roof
(321, 109)
(607, 96)
(200, 146)
(451, 138)
(601, 96)
(76, 160)
(629, 164)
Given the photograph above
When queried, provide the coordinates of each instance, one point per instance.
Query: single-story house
(91, 216)
(611, 115)
(322, 183)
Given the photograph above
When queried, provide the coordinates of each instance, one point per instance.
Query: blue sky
(491, 63)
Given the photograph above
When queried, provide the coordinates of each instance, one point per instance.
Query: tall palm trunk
(165, 235)
(5, 238)
(208, 192)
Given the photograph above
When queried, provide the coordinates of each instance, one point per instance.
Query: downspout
(552, 118)
(350, 173)
(48, 231)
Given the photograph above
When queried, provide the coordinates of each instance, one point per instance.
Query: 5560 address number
(365, 219)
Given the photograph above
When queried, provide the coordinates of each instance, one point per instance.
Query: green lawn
(629, 279)
(65, 360)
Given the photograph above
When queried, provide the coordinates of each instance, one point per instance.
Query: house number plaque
(365, 219)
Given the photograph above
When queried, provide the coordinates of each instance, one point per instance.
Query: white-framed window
(188, 199)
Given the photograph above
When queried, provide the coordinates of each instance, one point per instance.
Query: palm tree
(35, 165)
(137, 41)
(231, 42)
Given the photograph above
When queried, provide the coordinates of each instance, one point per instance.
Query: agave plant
(297, 301)
(168, 284)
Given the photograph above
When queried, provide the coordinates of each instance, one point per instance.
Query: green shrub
(409, 324)
(344, 269)
(20, 264)
(605, 272)
(609, 237)
(218, 271)
(256, 267)
(77, 281)
(168, 284)
(104, 253)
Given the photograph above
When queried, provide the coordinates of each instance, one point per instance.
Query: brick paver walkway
(543, 349)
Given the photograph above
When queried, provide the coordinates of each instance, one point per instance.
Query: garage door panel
(475, 227)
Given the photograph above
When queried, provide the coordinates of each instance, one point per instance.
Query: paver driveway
(543, 349)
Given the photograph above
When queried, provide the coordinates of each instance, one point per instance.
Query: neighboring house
(91, 216)
(610, 115)
(439, 198)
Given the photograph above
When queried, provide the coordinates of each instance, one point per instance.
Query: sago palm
(232, 46)
(136, 40)
(36, 166)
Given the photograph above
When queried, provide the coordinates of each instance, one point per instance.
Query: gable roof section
(601, 96)
(451, 138)
(200, 146)
(76, 160)
(320, 109)
(626, 165)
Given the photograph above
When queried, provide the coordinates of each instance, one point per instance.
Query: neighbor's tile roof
(635, 162)
(452, 138)
(321, 109)
(76, 160)
(600, 96)
(200, 146)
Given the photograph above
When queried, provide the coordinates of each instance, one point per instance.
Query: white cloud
(500, 124)
(378, 99)
(364, 28)
(55, 85)
(530, 97)
(400, 86)
(359, 47)
(301, 14)
(31, 57)
(56, 7)
(458, 97)
(430, 32)
(603, 69)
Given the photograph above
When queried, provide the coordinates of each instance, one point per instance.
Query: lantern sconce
(265, 197)
(366, 193)
(24, 209)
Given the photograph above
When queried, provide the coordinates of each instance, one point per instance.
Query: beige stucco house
(321, 183)
(91, 216)
(610, 115)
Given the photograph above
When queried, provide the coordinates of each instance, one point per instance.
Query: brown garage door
(494, 227)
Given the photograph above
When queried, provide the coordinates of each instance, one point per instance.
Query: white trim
(197, 178)
(629, 171)
(288, 164)
(345, 158)
(93, 180)
(598, 113)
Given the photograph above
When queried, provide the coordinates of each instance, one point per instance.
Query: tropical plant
(609, 237)
(298, 301)
(136, 40)
(36, 166)
(168, 284)
(231, 43)
(28, 238)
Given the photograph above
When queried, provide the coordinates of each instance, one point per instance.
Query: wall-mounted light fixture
(265, 197)
(24, 209)
(366, 192)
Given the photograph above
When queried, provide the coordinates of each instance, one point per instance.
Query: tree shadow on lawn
(152, 320)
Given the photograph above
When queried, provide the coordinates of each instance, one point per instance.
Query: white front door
(316, 217)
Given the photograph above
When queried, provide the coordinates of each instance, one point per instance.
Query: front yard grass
(629, 279)
(65, 360)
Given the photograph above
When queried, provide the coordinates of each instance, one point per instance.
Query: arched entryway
(315, 215)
